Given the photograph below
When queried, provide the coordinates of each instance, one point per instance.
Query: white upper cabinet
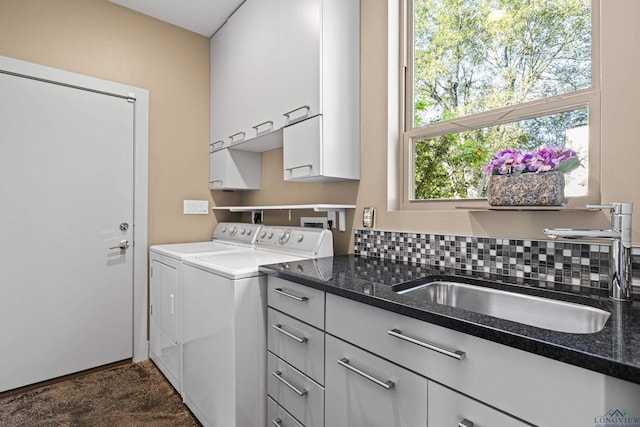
(300, 37)
(278, 63)
(266, 114)
(324, 86)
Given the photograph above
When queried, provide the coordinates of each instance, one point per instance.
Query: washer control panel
(237, 232)
(305, 241)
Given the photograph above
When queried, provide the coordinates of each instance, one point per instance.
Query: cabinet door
(231, 78)
(295, 392)
(266, 114)
(364, 390)
(300, 27)
(277, 416)
(234, 170)
(302, 150)
(449, 408)
(240, 90)
(301, 345)
(220, 88)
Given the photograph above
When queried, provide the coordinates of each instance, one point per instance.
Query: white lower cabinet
(302, 397)
(450, 408)
(278, 417)
(386, 369)
(363, 390)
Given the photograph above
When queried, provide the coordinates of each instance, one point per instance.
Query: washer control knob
(243, 232)
(284, 237)
(300, 238)
(270, 235)
(299, 268)
(224, 229)
(249, 232)
(263, 234)
(233, 231)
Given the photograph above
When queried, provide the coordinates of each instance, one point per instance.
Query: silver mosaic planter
(527, 189)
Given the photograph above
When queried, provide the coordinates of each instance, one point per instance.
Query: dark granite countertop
(614, 351)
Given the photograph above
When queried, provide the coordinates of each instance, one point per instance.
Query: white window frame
(589, 98)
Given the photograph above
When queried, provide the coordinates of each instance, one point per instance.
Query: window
(486, 75)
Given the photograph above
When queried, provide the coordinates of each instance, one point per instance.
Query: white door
(66, 186)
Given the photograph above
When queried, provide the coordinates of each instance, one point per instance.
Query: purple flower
(506, 162)
(543, 159)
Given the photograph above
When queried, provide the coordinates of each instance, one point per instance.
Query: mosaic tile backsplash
(558, 264)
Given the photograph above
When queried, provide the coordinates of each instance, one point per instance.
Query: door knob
(124, 244)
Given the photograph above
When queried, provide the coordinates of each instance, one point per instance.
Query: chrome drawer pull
(308, 165)
(456, 354)
(213, 145)
(236, 134)
(278, 327)
(280, 378)
(292, 296)
(257, 127)
(304, 107)
(465, 423)
(278, 422)
(384, 384)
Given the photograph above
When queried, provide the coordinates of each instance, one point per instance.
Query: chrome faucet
(620, 287)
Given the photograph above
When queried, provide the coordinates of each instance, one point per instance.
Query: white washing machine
(165, 265)
(224, 325)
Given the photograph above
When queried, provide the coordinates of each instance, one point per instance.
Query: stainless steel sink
(530, 310)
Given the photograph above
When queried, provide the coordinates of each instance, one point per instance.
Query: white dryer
(165, 265)
(224, 325)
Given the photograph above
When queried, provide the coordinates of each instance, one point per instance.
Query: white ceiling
(200, 16)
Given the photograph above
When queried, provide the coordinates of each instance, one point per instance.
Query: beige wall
(101, 39)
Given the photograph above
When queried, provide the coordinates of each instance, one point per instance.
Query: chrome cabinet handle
(465, 423)
(308, 165)
(456, 354)
(279, 377)
(236, 134)
(288, 113)
(384, 384)
(292, 296)
(213, 145)
(124, 244)
(278, 327)
(277, 422)
(268, 122)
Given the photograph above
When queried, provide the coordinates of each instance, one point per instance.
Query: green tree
(477, 55)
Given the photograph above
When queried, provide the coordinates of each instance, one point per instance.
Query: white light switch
(196, 207)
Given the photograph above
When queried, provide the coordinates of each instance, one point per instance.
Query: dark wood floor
(124, 395)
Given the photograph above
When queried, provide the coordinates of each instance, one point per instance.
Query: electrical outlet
(368, 216)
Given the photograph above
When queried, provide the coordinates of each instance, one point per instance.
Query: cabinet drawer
(278, 417)
(498, 375)
(301, 345)
(448, 408)
(295, 392)
(299, 301)
(365, 390)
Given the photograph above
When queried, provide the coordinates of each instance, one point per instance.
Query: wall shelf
(522, 208)
(331, 210)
